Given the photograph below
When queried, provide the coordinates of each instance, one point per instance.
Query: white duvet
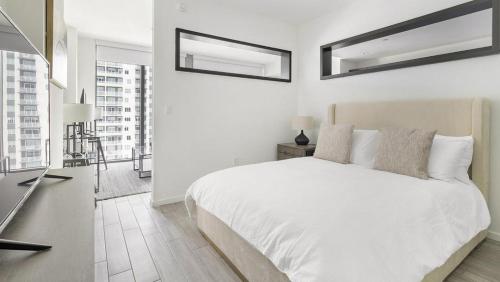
(322, 221)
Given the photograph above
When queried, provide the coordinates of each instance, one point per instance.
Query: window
(113, 129)
(110, 90)
(113, 79)
(27, 62)
(113, 138)
(101, 90)
(114, 90)
(28, 96)
(209, 54)
(30, 154)
(29, 85)
(27, 120)
(114, 70)
(30, 131)
(30, 142)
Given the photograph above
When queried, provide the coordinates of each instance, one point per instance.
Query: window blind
(123, 53)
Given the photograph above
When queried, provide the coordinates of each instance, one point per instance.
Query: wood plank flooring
(121, 180)
(135, 242)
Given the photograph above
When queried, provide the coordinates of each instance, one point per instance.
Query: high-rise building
(24, 79)
(119, 96)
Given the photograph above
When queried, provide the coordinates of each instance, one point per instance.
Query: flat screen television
(24, 119)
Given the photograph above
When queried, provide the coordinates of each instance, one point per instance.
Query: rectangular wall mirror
(464, 31)
(209, 54)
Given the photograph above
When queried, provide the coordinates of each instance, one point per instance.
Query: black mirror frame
(439, 16)
(178, 67)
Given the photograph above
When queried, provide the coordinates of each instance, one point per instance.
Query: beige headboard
(454, 117)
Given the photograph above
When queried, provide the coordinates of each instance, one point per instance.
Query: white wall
(86, 68)
(72, 93)
(464, 78)
(56, 126)
(204, 122)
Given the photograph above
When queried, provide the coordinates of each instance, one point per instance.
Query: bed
(282, 256)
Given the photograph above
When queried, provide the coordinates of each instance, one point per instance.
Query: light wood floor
(135, 242)
(121, 180)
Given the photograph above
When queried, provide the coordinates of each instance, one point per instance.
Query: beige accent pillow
(404, 151)
(334, 143)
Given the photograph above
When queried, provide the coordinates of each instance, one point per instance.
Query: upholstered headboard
(454, 117)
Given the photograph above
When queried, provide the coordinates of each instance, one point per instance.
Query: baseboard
(169, 200)
(494, 236)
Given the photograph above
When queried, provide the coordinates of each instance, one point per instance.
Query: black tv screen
(24, 117)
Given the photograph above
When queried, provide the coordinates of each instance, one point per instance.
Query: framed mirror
(210, 54)
(464, 31)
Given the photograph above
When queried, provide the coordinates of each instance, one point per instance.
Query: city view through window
(24, 110)
(121, 89)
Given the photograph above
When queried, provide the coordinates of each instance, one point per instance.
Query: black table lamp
(301, 123)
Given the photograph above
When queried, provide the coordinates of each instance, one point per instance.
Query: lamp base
(301, 139)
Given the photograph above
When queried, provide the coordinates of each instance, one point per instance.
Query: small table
(140, 154)
(292, 150)
(91, 153)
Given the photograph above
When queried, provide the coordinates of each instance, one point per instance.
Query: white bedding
(321, 221)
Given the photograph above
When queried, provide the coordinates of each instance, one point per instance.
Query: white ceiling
(130, 21)
(126, 21)
(292, 11)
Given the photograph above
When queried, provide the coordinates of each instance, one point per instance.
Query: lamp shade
(302, 122)
(78, 113)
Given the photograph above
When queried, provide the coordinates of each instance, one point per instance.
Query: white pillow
(450, 158)
(364, 147)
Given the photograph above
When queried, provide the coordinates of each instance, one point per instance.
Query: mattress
(320, 221)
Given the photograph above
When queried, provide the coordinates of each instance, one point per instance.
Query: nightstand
(292, 150)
